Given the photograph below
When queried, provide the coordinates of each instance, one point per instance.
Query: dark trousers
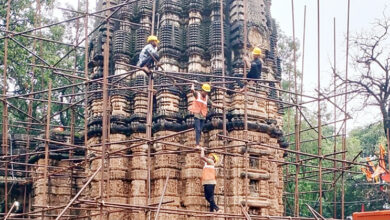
(147, 62)
(209, 194)
(199, 123)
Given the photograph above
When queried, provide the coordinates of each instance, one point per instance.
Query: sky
(362, 16)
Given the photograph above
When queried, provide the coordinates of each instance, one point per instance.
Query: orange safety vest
(208, 174)
(199, 105)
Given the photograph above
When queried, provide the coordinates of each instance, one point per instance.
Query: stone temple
(190, 35)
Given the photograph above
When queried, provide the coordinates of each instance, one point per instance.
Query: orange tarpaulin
(386, 177)
(376, 215)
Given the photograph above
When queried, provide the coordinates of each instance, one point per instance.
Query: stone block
(190, 173)
(119, 175)
(163, 172)
(119, 163)
(138, 188)
(193, 187)
(119, 188)
(166, 161)
(193, 160)
(137, 200)
(194, 201)
(158, 186)
(139, 162)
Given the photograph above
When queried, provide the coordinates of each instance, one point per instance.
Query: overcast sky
(363, 15)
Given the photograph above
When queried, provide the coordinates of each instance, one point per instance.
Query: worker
(199, 109)
(209, 179)
(148, 54)
(254, 67)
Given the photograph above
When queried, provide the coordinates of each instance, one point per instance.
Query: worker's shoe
(220, 210)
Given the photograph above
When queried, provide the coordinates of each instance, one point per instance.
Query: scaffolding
(302, 159)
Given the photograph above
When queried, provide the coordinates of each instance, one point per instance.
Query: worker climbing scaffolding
(149, 55)
(199, 108)
(255, 67)
(209, 178)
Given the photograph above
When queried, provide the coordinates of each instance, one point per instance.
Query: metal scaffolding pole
(335, 119)
(224, 129)
(149, 121)
(47, 137)
(86, 75)
(296, 120)
(246, 160)
(5, 107)
(106, 108)
(344, 140)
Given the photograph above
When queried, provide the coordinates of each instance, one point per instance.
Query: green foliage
(370, 137)
(362, 141)
(357, 190)
(286, 55)
(23, 77)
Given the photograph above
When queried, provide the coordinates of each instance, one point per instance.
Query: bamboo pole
(4, 144)
(47, 136)
(296, 122)
(319, 142)
(344, 140)
(334, 118)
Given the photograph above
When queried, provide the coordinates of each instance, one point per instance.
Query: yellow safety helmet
(152, 38)
(256, 51)
(206, 87)
(216, 158)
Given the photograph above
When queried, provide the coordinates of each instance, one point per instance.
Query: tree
(20, 70)
(286, 55)
(371, 60)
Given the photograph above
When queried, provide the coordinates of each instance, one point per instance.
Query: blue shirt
(145, 53)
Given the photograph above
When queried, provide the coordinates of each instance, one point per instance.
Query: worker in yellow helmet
(199, 108)
(254, 66)
(209, 179)
(149, 54)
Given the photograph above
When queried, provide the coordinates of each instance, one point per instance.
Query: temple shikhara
(139, 146)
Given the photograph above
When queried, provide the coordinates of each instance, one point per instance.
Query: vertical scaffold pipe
(5, 107)
(334, 124)
(344, 141)
(105, 122)
(319, 105)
